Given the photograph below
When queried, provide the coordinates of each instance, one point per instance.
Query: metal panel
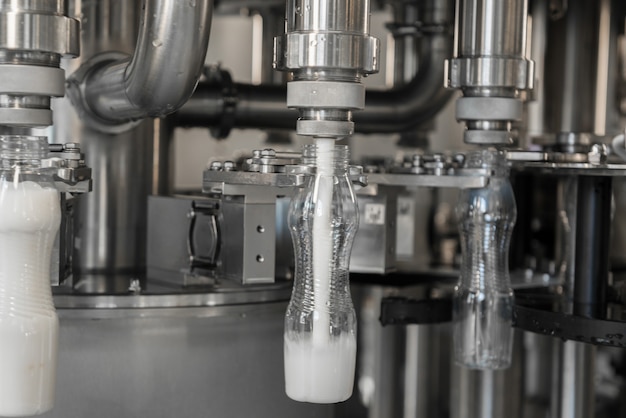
(188, 365)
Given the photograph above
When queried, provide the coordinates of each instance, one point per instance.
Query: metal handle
(211, 211)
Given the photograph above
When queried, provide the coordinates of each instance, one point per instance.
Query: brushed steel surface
(111, 220)
(200, 362)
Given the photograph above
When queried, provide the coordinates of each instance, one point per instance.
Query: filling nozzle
(327, 48)
(490, 68)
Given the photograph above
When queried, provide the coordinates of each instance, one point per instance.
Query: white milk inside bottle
(29, 221)
(320, 373)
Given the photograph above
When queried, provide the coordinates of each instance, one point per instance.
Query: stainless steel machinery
(172, 299)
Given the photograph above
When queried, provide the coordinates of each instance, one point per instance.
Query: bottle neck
(329, 160)
(21, 153)
(490, 159)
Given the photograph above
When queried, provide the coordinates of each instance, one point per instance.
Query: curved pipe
(404, 108)
(164, 70)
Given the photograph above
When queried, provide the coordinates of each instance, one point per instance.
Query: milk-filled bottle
(30, 216)
(320, 323)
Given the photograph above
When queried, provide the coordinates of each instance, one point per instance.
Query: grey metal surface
(491, 45)
(201, 362)
(163, 299)
(492, 28)
(248, 247)
(342, 50)
(571, 64)
(110, 221)
(429, 180)
(38, 29)
(163, 71)
(374, 248)
(327, 36)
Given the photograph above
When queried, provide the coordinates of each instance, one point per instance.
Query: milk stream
(29, 221)
(320, 373)
(322, 237)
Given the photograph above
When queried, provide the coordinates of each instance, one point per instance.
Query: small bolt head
(71, 146)
(459, 159)
(229, 166)
(597, 154)
(215, 166)
(439, 158)
(268, 152)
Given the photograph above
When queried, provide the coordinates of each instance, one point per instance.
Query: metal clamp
(71, 173)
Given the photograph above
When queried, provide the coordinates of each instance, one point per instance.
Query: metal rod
(573, 394)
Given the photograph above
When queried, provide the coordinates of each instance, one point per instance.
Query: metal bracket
(71, 174)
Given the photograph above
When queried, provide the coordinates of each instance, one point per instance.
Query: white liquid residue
(320, 373)
(29, 220)
(322, 238)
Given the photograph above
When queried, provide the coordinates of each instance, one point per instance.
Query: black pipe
(593, 227)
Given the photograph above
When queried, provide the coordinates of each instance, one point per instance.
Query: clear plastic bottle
(30, 216)
(483, 300)
(320, 323)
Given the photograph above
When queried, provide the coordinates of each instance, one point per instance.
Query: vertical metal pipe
(538, 352)
(492, 28)
(321, 16)
(571, 67)
(536, 106)
(111, 221)
(405, 56)
(163, 156)
(573, 389)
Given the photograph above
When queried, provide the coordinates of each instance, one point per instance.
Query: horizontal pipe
(164, 70)
(264, 107)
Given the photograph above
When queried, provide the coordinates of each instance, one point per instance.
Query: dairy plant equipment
(171, 299)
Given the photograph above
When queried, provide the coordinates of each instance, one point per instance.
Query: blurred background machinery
(177, 267)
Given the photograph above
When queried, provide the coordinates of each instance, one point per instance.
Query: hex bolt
(459, 159)
(597, 154)
(215, 166)
(229, 166)
(439, 158)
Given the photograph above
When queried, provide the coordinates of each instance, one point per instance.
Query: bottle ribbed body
(483, 300)
(320, 323)
(30, 216)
